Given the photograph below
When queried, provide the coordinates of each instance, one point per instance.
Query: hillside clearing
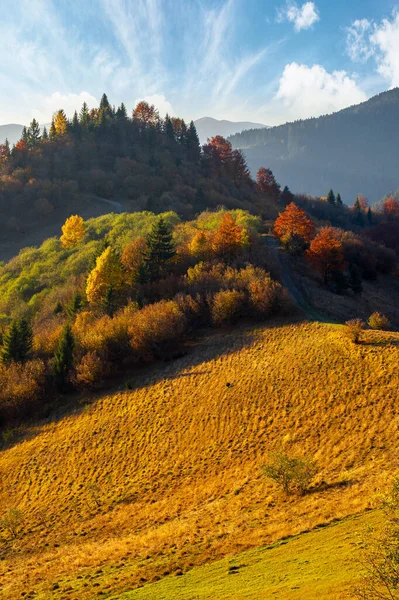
(166, 476)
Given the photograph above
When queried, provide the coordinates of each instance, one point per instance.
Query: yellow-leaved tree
(73, 231)
(60, 122)
(106, 274)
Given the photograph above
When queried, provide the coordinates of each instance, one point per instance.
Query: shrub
(89, 370)
(21, 386)
(354, 329)
(11, 522)
(227, 306)
(378, 321)
(156, 330)
(293, 474)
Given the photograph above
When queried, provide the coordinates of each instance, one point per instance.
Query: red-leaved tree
(326, 254)
(293, 227)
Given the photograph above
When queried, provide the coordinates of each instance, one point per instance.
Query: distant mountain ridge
(12, 132)
(208, 127)
(353, 151)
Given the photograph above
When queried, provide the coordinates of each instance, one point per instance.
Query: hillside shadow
(379, 343)
(324, 486)
(203, 347)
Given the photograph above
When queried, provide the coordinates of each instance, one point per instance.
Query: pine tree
(75, 126)
(24, 136)
(17, 342)
(358, 213)
(331, 197)
(63, 358)
(44, 134)
(286, 196)
(121, 113)
(84, 116)
(161, 250)
(168, 128)
(338, 200)
(104, 103)
(193, 144)
(33, 134)
(369, 216)
(75, 305)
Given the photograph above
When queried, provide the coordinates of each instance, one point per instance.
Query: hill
(352, 151)
(207, 127)
(11, 131)
(135, 485)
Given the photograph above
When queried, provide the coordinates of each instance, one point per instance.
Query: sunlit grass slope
(164, 477)
(319, 565)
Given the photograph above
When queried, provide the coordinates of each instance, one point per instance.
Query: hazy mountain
(208, 127)
(12, 132)
(353, 151)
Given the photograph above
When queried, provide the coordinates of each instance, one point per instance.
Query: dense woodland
(355, 148)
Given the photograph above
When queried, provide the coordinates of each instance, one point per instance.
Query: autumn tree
(391, 208)
(228, 239)
(293, 227)
(106, 274)
(160, 250)
(146, 115)
(5, 152)
(133, 258)
(73, 231)
(326, 253)
(267, 183)
(60, 122)
(218, 153)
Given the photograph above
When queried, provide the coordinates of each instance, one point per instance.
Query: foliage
(90, 370)
(106, 273)
(354, 329)
(378, 321)
(11, 522)
(17, 342)
(63, 358)
(227, 306)
(160, 250)
(293, 224)
(293, 474)
(228, 239)
(73, 231)
(326, 253)
(21, 385)
(267, 184)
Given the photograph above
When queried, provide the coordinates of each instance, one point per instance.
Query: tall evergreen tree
(331, 197)
(63, 358)
(369, 216)
(121, 113)
(338, 200)
(286, 196)
(53, 131)
(358, 213)
(84, 116)
(161, 250)
(33, 134)
(17, 342)
(168, 128)
(75, 125)
(44, 134)
(24, 136)
(193, 144)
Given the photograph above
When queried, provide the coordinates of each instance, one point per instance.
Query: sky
(268, 61)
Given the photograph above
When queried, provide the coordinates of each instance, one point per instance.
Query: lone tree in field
(354, 330)
(17, 342)
(73, 231)
(161, 250)
(63, 358)
(293, 474)
(294, 228)
(326, 254)
(106, 273)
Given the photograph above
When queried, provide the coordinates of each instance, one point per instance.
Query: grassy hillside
(137, 484)
(314, 566)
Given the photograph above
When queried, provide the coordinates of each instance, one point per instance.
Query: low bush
(227, 307)
(21, 385)
(90, 371)
(354, 329)
(378, 321)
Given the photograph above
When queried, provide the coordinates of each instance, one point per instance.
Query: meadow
(133, 485)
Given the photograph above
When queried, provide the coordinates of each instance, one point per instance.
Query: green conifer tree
(84, 116)
(369, 216)
(45, 134)
(193, 144)
(63, 358)
(17, 342)
(33, 134)
(53, 131)
(161, 250)
(338, 200)
(358, 213)
(330, 197)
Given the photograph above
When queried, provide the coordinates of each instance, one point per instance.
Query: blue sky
(261, 60)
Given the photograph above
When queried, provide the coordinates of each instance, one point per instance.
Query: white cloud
(386, 41)
(358, 44)
(69, 102)
(303, 17)
(366, 39)
(160, 102)
(312, 91)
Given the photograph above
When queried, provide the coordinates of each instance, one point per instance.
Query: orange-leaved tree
(73, 231)
(146, 115)
(229, 238)
(266, 183)
(133, 257)
(391, 208)
(326, 254)
(293, 227)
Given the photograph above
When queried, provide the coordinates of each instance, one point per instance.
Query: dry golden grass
(157, 479)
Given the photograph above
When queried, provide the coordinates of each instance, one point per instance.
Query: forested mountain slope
(353, 150)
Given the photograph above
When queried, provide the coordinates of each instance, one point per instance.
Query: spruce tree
(44, 134)
(53, 131)
(24, 136)
(121, 113)
(17, 342)
(63, 358)
(286, 196)
(193, 144)
(330, 197)
(75, 305)
(75, 126)
(84, 116)
(161, 250)
(33, 134)
(338, 200)
(369, 216)
(358, 214)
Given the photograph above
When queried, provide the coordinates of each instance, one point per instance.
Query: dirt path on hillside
(288, 282)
